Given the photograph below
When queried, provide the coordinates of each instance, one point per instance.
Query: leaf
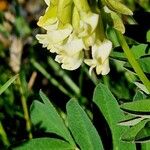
(7, 84)
(140, 107)
(81, 127)
(112, 113)
(142, 87)
(145, 146)
(131, 133)
(47, 116)
(144, 135)
(144, 63)
(139, 95)
(131, 122)
(44, 144)
(46, 100)
(117, 22)
(118, 56)
(139, 50)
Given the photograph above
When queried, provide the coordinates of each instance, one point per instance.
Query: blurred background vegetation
(21, 54)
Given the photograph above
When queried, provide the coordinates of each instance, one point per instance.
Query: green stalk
(25, 110)
(3, 136)
(133, 61)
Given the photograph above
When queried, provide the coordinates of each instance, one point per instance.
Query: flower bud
(118, 7)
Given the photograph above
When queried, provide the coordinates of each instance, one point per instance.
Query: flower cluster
(72, 30)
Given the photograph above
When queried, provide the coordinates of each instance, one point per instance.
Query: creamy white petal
(100, 57)
(47, 2)
(73, 45)
(102, 50)
(49, 18)
(58, 35)
(70, 62)
(105, 67)
(91, 19)
(53, 39)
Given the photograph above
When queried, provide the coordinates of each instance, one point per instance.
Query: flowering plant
(73, 28)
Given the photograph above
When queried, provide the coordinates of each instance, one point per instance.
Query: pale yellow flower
(49, 21)
(69, 33)
(53, 38)
(100, 57)
(71, 53)
(84, 24)
(88, 22)
(70, 62)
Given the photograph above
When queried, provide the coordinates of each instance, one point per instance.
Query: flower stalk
(133, 61)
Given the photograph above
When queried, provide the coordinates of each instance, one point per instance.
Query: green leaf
(144, 63)
(110, 109)
(132, 132)
(44, 144)
(139, 95)
(81, 127)
(142, 87)
(7, 84)
(140, 107)
(145, 146)
(131, 122)
(144, 134)
(48, 118)
(118, 55)
(139, 50)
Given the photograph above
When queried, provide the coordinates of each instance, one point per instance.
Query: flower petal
(49, 18)
(53, 39)
(105, 67)
(90, 19)
(73, 45)
(102, 50)
(47, 2)
(70, 62)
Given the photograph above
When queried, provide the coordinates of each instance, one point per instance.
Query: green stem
(3, 135)
(25, 110)
(133, 61)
